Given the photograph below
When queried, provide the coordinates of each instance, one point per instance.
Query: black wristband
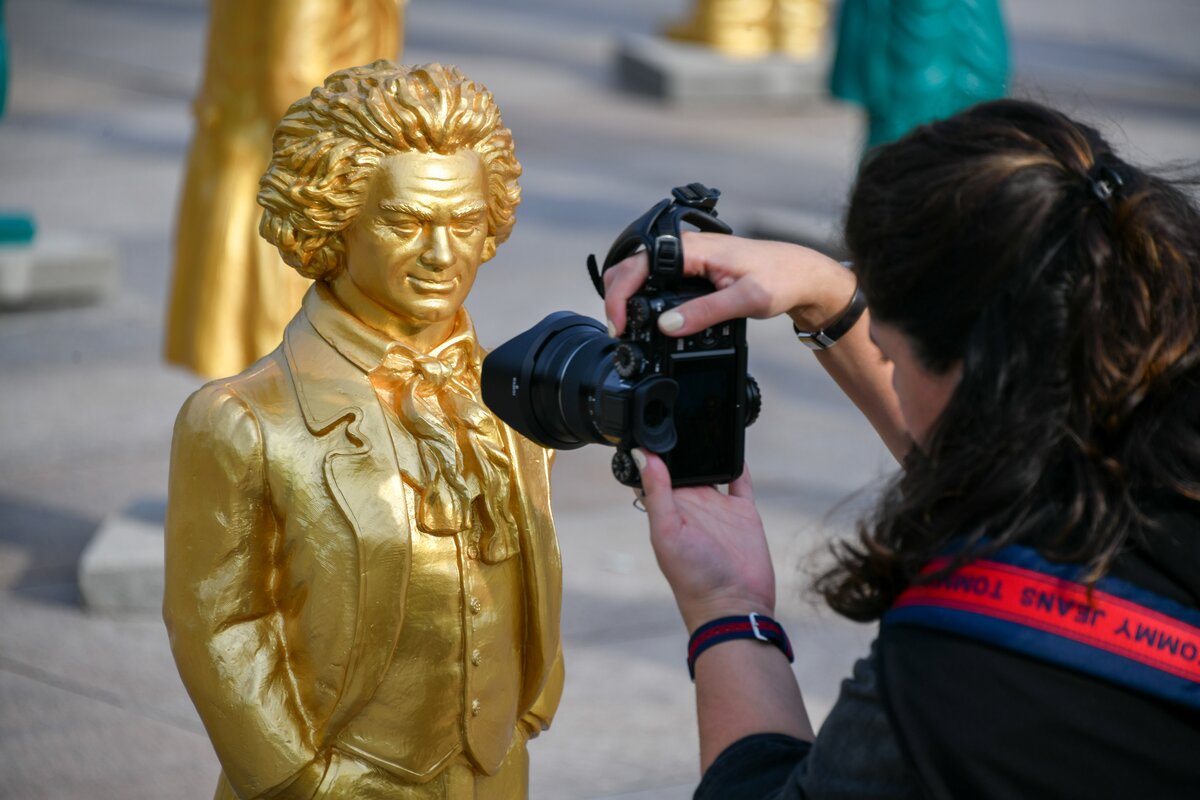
(725, 629)
(828, 336)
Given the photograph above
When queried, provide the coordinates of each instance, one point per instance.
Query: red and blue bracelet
(725, 629)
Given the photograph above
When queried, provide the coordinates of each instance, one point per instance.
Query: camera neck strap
(658, 232)
(1017, 600)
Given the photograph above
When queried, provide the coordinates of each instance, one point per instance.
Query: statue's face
(416, 245)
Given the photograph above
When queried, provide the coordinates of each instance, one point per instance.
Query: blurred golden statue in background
(231, 294)
(756, 28)
(363, 583)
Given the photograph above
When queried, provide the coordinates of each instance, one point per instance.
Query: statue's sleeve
(226, 627)
(539, 716)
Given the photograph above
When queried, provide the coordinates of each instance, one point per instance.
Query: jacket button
(476, 657)
(476, 606)
(475, 707)
(473, 551)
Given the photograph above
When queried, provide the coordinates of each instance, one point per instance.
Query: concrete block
(821, 232)
(56, 267)
(688, 74)
(121, 571)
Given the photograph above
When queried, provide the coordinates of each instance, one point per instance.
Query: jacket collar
(361, 344)
(320, 381)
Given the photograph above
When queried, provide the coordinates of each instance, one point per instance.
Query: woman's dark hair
(1011, 239)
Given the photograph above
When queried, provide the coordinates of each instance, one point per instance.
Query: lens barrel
(560, 385)
(542, 381)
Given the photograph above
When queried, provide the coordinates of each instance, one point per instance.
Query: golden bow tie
(460, 447)
(433, 371)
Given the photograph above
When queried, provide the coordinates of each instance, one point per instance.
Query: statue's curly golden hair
(328, 145)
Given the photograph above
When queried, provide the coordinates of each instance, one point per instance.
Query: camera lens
(546, 381)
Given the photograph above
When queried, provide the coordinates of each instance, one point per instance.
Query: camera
(565, 383)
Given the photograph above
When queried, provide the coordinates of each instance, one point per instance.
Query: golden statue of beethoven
(231, 295)
(363, 582)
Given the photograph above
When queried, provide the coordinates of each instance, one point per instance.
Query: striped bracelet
(725, 629)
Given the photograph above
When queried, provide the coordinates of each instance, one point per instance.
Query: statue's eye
(405, 227)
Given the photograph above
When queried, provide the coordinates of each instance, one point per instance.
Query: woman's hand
(761, 279)
(709, 545)
(754, 278)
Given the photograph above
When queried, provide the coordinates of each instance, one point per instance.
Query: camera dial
(628, 360)
(624, 469)
(753, 400)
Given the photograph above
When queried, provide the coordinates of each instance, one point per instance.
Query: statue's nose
(437, 253)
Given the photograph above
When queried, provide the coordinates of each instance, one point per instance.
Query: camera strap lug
(658, 232)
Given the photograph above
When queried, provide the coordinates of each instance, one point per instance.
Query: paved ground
(93, 144)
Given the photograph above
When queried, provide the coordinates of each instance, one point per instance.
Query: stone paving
(92, 144)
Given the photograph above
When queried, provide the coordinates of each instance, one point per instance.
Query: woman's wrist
(834, 287)
(702, 613)
(737, 627)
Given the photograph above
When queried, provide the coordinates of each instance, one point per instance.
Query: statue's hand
(307, 782)
(349, 777)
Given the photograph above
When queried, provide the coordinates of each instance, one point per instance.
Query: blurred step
(121, 571)
(56, 268)
(688, 74)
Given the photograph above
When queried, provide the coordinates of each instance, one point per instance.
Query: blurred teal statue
(14, 228)
(908, 62)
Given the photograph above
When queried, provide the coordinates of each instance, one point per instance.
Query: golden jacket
(287, 561)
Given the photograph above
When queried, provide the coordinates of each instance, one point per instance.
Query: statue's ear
(489, 249)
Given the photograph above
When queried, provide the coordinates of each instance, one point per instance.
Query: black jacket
(931, 714)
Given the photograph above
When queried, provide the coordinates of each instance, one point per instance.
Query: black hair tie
(1105, 182)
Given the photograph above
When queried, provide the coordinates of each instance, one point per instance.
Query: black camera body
(565, 383)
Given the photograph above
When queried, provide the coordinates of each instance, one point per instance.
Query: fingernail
(612, 329)
(639, 458)
(670, 322)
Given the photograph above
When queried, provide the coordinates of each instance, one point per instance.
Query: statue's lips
(427, 286)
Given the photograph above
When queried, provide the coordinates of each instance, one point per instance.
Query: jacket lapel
(341, 410)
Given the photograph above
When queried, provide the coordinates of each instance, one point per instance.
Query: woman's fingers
(740, 299)
(656, 487)
(742, 487)
(621, 282)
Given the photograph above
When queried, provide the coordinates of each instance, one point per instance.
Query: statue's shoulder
(223, 407)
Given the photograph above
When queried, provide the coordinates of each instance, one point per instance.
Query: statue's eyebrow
(415, 210)
(426, 214)
(469, 210)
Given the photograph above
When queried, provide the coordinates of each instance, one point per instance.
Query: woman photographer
(1032, 357)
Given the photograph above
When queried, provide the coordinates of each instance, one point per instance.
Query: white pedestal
(121, 572)
(56, 267)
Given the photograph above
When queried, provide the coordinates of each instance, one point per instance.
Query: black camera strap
(657, 231)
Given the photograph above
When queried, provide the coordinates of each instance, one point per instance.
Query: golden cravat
(433, 398)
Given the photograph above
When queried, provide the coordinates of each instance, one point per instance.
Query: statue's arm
(541, 713)
(226, 627)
